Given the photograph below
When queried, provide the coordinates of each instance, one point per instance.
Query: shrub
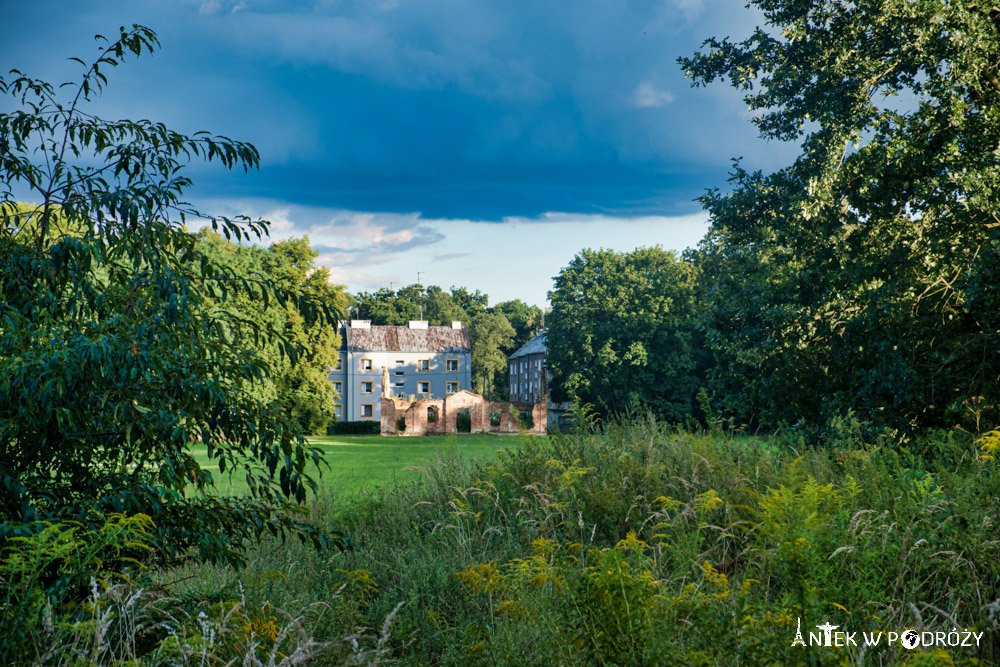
(364, 427)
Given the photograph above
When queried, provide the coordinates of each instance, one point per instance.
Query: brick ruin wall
(418, 421)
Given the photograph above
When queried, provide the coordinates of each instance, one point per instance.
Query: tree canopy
(863, 276)
(622, 334)
(115, 354)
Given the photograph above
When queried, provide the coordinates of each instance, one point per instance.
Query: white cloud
(647, 95)
(691, 9)
(512, 259)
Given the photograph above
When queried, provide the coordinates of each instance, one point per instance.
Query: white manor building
(416, 361)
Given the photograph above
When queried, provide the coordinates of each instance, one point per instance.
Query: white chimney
(361, 324)
(418, 324)
(455, 324)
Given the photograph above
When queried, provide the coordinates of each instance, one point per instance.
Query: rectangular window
(451, 365)
(366, 387)
(340, 364)
(450, 387)
(400, 372)
(400, 385)
(366, 365)
(338, 387)
(423, 387)
(423, 365)
(400, 362)
(338, 410)
(367, 410)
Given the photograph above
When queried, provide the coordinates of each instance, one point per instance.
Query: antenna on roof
(420, 291)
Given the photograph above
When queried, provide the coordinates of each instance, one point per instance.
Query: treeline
(863, 278)
(495, 332)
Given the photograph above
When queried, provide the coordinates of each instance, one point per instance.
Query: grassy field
(363, 463)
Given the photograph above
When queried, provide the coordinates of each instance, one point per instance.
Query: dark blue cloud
(475, 110)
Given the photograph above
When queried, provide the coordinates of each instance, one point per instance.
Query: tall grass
(635, 545)
(644, 545)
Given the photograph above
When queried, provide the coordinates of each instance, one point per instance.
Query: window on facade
(423, 387)
(338, 387)
(367, 410)
(338, 410)
(400, 362)
(366, 387)
(366, 365)
(340, 364)
(451, 365)
(423, 365)
(450, 387)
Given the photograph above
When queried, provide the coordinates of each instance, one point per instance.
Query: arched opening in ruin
(433, 414)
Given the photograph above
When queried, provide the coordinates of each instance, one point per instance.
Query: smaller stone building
(438, 416)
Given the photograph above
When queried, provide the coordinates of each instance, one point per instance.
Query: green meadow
(356, 463)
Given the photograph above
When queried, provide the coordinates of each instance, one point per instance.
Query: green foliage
(490, 333)
(48, 567)
(623, 332)
(864, 276)
(299, 388)
(114, 352)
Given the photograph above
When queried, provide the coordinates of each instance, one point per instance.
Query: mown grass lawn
(364, 463)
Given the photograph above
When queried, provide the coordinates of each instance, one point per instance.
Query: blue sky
(482, 143)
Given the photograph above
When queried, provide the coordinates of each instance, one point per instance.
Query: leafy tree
(526, 320)
(386, 308)
(440, 309)
(300, 389)
(470, 303)
(113, 354)
(622, 333)
(490, 334)
(864, 275)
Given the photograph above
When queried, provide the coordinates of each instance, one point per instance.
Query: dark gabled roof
(534, 346)
(405, 339)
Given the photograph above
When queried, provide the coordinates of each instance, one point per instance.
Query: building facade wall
(406, 379)
(525, 377)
